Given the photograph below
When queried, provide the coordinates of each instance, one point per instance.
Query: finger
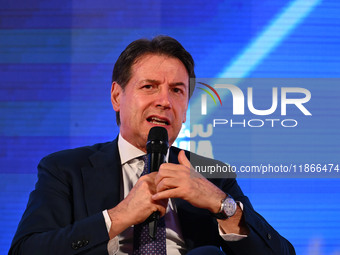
(166, 183)
(161, 210)
(160, 206)
(168, 167)
(151, 175)
(166, 194)
(162, 203)
(167, 171)
(148, 177)
(183, 160)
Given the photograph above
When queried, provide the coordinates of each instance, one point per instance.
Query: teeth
(158, 121)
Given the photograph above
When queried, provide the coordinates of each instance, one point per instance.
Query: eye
(147, 86)
(177, 90)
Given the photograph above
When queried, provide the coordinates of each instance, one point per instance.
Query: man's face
(156, 95)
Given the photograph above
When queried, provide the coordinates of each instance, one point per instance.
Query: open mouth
(158, 121)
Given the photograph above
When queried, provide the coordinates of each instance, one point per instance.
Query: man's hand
(181, 181)
(137, 206)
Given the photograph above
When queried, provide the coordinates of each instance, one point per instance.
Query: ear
(185, 117)
(185, 114)
(116, 93)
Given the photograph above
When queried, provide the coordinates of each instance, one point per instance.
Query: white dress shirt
(132, 168)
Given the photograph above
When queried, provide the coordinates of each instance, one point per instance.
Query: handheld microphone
(156, 147)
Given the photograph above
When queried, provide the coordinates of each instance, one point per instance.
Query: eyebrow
(150, 81)
(158, 82)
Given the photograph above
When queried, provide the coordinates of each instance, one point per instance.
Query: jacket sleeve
(49, 224)
(262, 238)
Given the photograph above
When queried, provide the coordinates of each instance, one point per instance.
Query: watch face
(229, 206)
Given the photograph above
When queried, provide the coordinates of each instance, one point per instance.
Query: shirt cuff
(113, 244)
(231, 236)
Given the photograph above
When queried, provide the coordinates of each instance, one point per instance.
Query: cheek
(184, 112)
(180, 118)
(135, 109)
(127, 113)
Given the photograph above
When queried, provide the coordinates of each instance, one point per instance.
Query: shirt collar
(127, 151)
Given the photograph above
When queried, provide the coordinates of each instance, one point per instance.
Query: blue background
(56, 59)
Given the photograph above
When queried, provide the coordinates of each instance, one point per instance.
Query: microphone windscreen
(157, 140)
(158, 134)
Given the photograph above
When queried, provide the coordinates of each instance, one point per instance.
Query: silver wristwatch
(228, 208)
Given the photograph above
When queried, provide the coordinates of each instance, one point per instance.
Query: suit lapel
(102, 179)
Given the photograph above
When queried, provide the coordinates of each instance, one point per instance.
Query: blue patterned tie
(142, 242)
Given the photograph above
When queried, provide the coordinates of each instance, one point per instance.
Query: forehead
(155, 66)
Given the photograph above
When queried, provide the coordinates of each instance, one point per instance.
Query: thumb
(183, 160)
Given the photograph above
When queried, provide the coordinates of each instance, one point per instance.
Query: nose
(164, 98)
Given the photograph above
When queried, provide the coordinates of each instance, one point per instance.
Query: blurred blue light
(271, 37)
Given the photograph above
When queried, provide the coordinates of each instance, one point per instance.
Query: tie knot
(145, 170)
(145, 158)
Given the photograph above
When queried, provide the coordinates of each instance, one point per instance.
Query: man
(92, 200)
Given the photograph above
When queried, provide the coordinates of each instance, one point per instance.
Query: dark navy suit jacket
(64, 211)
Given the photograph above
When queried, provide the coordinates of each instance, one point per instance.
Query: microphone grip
(154, 217)
(154, 161)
